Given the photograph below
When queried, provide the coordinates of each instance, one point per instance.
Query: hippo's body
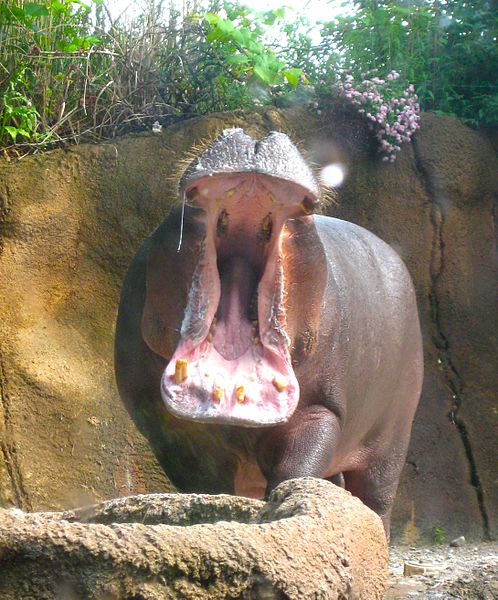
(271, 344)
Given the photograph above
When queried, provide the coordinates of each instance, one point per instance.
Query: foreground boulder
(310, 540)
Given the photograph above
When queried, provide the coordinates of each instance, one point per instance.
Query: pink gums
(239, 367)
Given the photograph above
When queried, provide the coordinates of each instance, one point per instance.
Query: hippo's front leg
(302, 447)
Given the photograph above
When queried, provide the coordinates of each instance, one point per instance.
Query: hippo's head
(233, 361)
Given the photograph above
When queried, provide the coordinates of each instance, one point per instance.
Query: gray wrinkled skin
(236, 152)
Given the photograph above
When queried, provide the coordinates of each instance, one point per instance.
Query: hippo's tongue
(232, 333)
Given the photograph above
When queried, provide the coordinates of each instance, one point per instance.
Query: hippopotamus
(258, 341)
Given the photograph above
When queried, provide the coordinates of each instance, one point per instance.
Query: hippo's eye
(192, 194)
(308, 205)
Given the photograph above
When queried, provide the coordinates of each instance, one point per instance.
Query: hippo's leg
(376, 485)
(337, 479)
(303, 447)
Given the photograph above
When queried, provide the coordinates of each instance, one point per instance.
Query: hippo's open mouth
(233, 363)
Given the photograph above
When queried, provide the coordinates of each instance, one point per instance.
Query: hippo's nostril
(308, 205)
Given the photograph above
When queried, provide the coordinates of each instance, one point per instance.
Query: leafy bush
(446, 48)
(69, 71)
(84, 77)
(438, 535)
(41, 65)
(19, 116)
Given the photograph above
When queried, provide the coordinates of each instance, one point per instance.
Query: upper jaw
(234, 151)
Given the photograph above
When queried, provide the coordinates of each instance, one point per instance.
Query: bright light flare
(333, 175)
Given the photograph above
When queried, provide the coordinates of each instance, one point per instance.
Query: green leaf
(12, 131)
(69, 47)
(35, 10)
(242, 37)
(211, 18)
(269, 17)
(93, 39)
(238, 59)
(58, 7)
(214, 36)
(225, 26)
(263, 73)
(293, 75)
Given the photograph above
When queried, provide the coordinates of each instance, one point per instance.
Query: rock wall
(71, 220)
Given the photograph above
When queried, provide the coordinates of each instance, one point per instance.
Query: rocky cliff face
(70, 222)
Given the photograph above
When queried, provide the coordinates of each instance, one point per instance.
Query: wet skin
(271, 343)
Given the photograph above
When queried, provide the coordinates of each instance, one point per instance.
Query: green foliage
(446, 48)
(42, 51)
(241, 67)
(100, 77)
(69, 71)
(438, 535)
(19, 117)
(240, 39)
(466, 83)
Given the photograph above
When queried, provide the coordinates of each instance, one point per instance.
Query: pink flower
(393, 119)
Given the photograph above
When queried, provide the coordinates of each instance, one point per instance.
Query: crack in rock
(7, 446)
(453, 378)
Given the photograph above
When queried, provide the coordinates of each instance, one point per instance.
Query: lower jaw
(258, 389)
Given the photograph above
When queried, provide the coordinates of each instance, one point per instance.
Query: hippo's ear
(158, 320)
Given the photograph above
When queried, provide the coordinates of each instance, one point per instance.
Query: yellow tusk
(218, 393)
(240, 394)
(279, 383)
(181, 370)
(229, 193)
(266, 224)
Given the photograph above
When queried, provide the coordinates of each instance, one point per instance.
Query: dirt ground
(468, 572)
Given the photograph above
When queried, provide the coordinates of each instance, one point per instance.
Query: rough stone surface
(311, 540)
(65, 438)
(70, 222)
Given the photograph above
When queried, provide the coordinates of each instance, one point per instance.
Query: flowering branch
(393, 113)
